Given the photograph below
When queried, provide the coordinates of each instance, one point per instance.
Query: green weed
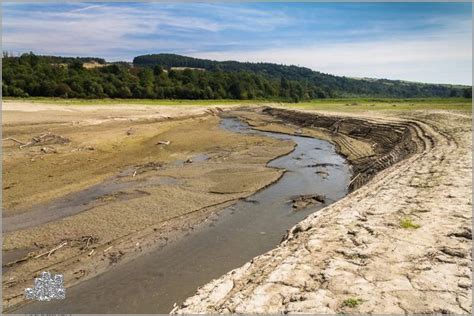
(408, 223)
(352, 302)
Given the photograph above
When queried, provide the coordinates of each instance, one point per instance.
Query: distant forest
(169, 76)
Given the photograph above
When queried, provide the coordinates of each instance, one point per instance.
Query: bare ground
(402, 243)
(57, 194)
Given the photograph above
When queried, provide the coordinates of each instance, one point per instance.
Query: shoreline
(148, 238)
(219, 208)
(355, 249)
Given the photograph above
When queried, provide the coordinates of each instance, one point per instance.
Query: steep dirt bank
(370, 145)
(401, 243)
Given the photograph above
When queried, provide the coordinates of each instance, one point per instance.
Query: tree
(34, 75)
(235, 90)
(76, 65)
(124, 92)
(157, 70)
(62, 90)
(467, 93)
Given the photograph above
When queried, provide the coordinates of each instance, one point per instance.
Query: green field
(460, 104)
(352, 104)
(107, 101)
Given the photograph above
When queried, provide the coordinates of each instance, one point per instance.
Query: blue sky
(428, 42)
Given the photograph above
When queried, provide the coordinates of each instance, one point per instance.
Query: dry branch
(354, 178)
(49, 253)
(13, 139)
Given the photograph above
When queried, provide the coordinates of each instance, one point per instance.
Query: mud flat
(401, 243)
(154, 282)
(109, 187)
(127, 181)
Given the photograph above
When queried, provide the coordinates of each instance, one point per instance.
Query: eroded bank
(402, 243)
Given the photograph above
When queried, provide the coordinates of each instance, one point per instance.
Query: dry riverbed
(95, 186)
(119, 182)
(401, 243)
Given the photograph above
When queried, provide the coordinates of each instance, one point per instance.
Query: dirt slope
(399, 244)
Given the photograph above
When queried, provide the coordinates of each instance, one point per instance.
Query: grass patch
(408, 223)
(352, 302)
(108, 101)
(344, 105)
(378, 104)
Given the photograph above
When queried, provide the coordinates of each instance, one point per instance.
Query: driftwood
(50, 252)
(354, 178)
(13, 139)
(335, 127)
(88, 241)
(35, 140)
(163, 142)
(26, 145)
(85, 241)
(46, 138)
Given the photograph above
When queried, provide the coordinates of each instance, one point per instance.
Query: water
(153, 282)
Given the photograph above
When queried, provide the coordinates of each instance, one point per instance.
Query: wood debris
(50, 252)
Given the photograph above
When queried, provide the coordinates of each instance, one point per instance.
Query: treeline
(32, 75)
(333, 85)
(154, 77)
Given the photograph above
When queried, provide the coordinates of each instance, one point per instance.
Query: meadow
(345, 104)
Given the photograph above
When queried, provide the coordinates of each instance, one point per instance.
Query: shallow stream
(153, 282)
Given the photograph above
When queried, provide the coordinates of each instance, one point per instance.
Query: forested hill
(330, 84)
(167, 76)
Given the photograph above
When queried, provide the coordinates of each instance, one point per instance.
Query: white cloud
(119, 33)
(443, 59)
(87, 8)
(111, 31)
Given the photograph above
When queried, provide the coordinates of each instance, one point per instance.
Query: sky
(424, 42)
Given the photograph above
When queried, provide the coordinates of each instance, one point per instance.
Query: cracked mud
(355, 256)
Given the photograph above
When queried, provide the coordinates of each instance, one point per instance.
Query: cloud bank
(425, 43)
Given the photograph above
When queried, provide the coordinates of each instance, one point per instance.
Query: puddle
(153, 282)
